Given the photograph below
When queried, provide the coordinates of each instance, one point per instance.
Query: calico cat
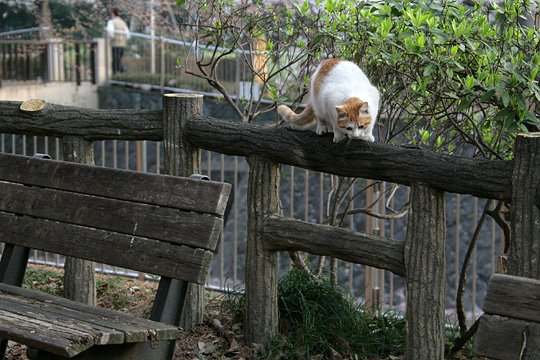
(341, 100)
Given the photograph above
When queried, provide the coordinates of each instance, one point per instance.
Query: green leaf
(439, 141)
(469, 82)
(505, 97)
(488, 95)
(421, 41)
(428, 70)
(531, 119)
(465, 103)
(505, 117)
(180, 2)
(424, 135)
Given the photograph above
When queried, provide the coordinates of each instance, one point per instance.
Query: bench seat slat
(66, 327)
(58, 325)
(152, 221)
(171, 191)
(20, 329)
(128, 251)
(134, 328)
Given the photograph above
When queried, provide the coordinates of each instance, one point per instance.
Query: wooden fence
(420, 258)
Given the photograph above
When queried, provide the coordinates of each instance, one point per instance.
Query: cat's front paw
(368, 137)
(321, 129)
(338, 137)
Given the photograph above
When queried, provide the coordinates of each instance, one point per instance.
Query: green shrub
(318, 318)
(450, 74)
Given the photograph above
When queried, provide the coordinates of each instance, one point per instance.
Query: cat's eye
(349, 128)
(361, 126)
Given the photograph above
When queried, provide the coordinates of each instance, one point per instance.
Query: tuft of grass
(451, 334)
(319, 318)
(234, 303)
(48, 280)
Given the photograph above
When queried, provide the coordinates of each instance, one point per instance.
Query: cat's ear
(341, 111)
(364, 109)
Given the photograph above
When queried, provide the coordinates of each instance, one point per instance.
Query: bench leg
(13, 264)
(12, 269)
(169, 303)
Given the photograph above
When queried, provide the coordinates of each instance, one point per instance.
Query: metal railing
(47, 60)
(163, 63)
(24, 34)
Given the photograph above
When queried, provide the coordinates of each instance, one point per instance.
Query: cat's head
(354, 118)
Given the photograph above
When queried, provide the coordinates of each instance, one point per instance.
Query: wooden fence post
(261, 318)
(183, 159)
(425, 274)
(79, 275)
(524, 251)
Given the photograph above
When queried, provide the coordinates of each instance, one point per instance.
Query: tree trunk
(261, 317)
(183, 159)
(425, 274)
(79, 276)
(524, 251)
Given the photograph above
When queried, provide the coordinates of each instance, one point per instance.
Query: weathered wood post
(261, 317)
(425, 274)
(183, 159)
(79, 275)
(524, 251)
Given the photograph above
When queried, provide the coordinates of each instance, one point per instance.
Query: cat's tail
(302, 120)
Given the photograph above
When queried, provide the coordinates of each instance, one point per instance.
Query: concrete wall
(63, 93)
(123, 97)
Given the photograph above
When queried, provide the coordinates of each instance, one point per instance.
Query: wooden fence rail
(420, 259)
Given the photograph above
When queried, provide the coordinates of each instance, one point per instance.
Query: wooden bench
(510, 326)
(157, 224)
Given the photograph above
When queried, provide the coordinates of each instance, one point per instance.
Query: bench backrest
(510, 325)
(158, 224)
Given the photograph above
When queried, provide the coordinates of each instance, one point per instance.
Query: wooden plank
(151, 221)
(19, 329)
(132, 252)
(92, 124)
(289, 234)
(513, 296)
(507, 339)
(483, 178)
(134, 329)
(172, 191)
(42, 317)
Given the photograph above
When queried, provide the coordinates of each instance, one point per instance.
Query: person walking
(118, 32)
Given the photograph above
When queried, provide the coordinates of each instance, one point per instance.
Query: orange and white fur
(341, 100)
